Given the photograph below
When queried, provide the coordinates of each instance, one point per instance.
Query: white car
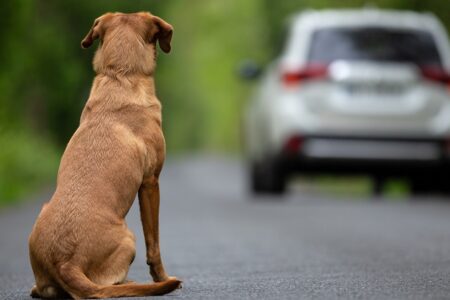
(365, 91)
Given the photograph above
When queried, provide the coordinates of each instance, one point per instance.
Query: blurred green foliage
(44, 83)
(45, 76)
(27, 162)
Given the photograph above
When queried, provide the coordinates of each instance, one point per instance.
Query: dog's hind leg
(48, 292)
(45, 286)
(34, 292)
(114, 269)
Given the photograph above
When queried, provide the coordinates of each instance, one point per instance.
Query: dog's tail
(75, 282)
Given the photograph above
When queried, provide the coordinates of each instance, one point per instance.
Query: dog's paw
(173, 278)
(34, 292)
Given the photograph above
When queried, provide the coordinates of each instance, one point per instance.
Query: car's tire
(267, 177)
(435, 183)
(443, 183)
(425, 185)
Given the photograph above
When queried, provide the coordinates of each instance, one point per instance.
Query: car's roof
(365, 16)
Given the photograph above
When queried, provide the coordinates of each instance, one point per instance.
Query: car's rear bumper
(390, 156)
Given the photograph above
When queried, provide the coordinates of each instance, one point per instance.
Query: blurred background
(260, 97)
(45, 76)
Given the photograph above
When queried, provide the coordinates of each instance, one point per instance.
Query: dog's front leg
(149, 206)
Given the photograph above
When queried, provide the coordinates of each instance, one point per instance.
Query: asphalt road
(226, 245)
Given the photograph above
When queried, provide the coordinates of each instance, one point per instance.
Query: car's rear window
(374, 44)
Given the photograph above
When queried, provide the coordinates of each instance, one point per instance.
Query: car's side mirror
(249, 70)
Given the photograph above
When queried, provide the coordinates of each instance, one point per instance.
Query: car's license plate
(374, 90)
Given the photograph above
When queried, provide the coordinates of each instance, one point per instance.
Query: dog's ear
(93, 34)
(163, 33)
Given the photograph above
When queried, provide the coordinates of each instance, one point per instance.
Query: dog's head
(128, 41)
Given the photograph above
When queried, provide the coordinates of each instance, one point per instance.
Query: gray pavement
(226, 245)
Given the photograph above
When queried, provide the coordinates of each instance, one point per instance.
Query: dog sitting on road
(80, 245)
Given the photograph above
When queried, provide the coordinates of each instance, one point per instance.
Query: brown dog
(80, 245)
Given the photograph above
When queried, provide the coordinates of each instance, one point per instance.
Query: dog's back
(80, 244)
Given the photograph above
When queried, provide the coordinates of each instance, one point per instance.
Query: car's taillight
(294, 144)
(295, 77)
(436, 74)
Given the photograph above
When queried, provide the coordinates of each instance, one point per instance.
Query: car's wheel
(419, 188)
(267, 177)
(443, 183)
(424, 185)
